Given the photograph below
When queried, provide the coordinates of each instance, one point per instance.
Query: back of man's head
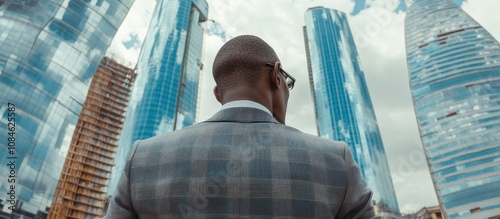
(241, 62)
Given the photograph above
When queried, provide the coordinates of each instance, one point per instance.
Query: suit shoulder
(171, 138)
(313, 141)
(315, 138)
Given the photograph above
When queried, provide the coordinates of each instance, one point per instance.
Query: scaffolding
(82, 187)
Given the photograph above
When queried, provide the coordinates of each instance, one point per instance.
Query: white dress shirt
(245, 103)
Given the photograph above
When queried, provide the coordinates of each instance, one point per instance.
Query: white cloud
(379, 35)
(409, 2)
(486, 13)
(386, 4)
(136, 23)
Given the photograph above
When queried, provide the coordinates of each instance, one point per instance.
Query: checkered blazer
(241, 163)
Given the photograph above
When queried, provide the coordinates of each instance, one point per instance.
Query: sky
(378, 31)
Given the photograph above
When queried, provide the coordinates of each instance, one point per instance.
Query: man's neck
(244, 93)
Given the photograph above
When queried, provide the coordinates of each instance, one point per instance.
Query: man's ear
(217, 94)
(275, 75)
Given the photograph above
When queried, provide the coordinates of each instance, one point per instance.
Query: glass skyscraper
(454, 70)
(49, 51)
(343, 106)
(165, 93)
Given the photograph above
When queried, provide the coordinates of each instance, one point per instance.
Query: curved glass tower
(454, 70)
(49, 51)
(165, 93)
(344, 110)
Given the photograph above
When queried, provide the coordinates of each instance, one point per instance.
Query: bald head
(241, 62)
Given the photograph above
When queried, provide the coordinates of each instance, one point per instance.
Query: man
(244, 162)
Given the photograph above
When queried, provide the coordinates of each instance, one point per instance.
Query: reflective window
(344, 110)
(165, 93)
(455, 84)
(49, 52)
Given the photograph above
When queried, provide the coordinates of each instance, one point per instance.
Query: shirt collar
(245, 103)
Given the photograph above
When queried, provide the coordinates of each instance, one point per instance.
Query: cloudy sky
(378, 29)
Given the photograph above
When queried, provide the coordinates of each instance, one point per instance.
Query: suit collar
(243, 115)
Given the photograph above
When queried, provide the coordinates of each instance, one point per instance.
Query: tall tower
(454, 70)
(49, 51)
(164, 97)
(82, 188)
(343, 106)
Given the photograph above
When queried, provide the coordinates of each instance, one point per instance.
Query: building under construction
(82, 187)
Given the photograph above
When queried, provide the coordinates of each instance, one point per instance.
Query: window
(475, 210)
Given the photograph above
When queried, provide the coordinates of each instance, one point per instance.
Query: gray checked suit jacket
(241, 163)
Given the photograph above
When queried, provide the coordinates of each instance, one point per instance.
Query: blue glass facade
(454, 70)
(343, 106)
(49, 51)
(165, 93)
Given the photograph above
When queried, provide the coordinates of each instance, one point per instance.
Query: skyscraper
(343, 106)
(165, 95)
(49, 51)
(82, 188)
(454, 70)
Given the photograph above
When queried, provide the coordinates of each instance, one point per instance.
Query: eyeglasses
(290, 81)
